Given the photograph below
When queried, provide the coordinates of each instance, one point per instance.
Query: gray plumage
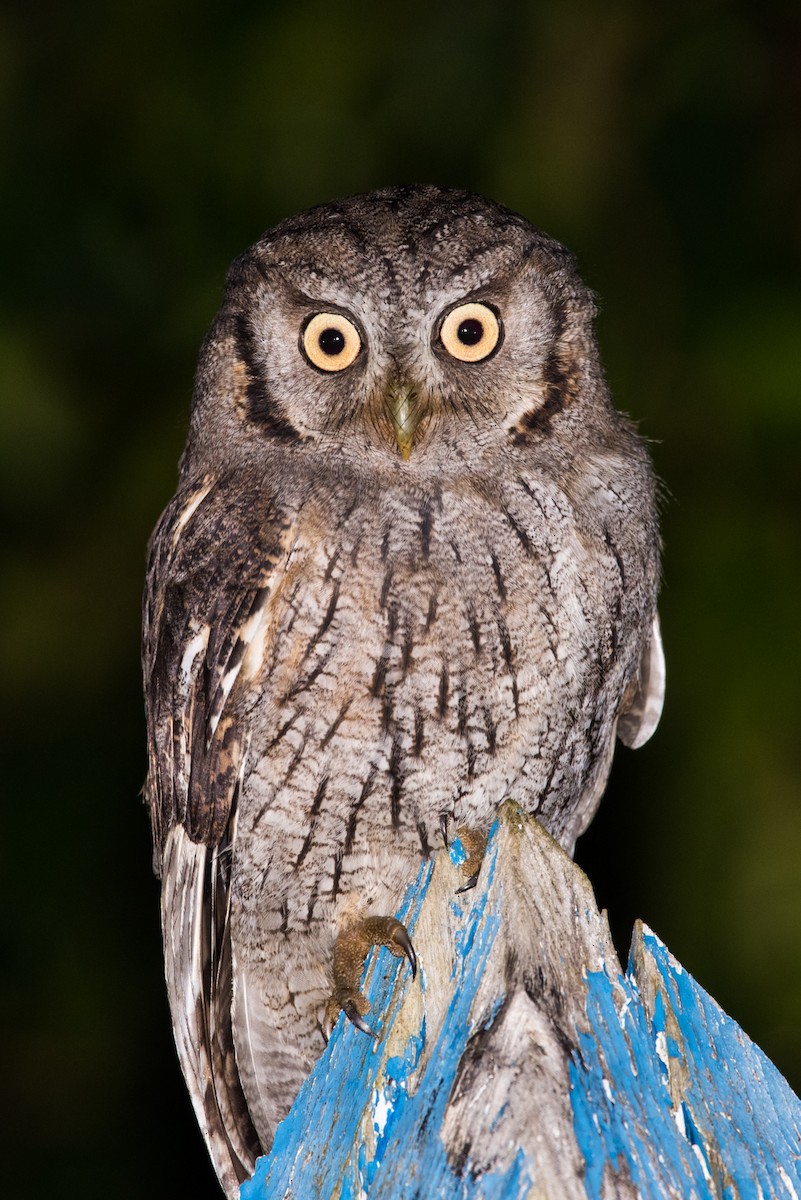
(384, 598)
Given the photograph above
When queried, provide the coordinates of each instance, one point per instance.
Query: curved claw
(401, 936)
(351, 1011)
(466, 887)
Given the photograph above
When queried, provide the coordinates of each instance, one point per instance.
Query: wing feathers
(641, 712)
(205, 629)
(210, 578)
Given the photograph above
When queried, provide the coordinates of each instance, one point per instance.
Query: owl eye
(330, 341)
(470, 332)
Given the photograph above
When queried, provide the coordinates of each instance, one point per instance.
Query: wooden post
(523, 1061)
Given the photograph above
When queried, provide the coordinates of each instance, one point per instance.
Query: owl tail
(197, 957)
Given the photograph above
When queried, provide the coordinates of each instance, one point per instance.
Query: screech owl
(410, 571)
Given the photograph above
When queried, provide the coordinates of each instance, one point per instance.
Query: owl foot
(474, 843)
(350, 951)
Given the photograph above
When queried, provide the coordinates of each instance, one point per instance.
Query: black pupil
(470, 332)
(331, 341)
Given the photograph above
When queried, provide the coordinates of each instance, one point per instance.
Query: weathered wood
(522, 1062)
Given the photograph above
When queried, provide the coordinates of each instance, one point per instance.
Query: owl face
(407, 327)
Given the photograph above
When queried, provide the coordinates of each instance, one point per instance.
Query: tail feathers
(254, 1038)
(197, 957)
(277, 1030)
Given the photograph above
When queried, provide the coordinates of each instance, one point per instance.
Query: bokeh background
(144, 147)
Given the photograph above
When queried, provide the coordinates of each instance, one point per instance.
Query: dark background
(144, 147)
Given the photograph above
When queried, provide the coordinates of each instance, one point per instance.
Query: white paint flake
(381, 1112)
(699, 1154)
(788, 1183)
(662, 1049)
(678, 1117)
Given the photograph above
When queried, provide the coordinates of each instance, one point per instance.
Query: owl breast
(426, 659)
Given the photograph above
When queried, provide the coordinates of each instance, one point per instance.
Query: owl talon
(401, 937)
(351, 1011)
(474, 843)
(350, 951)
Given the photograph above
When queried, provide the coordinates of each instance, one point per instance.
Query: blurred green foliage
(144, 147)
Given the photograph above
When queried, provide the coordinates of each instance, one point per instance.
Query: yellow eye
(330, 341)
(470, 332)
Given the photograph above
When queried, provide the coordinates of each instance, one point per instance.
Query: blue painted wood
(621, 1107)
(662, 1095)
(736, 1110)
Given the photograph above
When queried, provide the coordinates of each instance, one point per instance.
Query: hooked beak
(406, 409)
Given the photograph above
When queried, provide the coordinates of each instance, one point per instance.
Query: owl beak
(405, 410)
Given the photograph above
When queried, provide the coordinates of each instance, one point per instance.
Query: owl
(410, 571)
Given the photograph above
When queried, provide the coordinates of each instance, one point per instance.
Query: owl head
(410, 330)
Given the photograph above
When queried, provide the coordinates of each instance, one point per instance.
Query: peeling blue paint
(457, 852)
(621, 1104)
(736, 1099)
(359, 1130)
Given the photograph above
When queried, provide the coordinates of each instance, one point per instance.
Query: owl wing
(642, 706)
(210, 574)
